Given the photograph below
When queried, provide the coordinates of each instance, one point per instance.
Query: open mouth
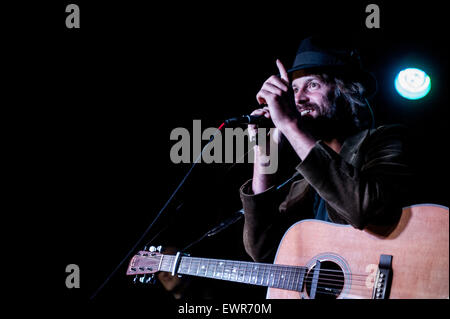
(306, 111)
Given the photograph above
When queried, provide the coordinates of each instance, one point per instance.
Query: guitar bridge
(383, 280)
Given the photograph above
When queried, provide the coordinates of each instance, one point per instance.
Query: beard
(336, 123)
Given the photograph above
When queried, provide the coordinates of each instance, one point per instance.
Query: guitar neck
(269, 275)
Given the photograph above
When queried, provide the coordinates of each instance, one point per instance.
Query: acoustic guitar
(321, 260)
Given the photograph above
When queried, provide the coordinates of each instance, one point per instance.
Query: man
(347, 173)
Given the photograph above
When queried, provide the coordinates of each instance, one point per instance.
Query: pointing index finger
(282, 70)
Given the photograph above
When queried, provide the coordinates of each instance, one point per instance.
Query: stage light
(412, 83)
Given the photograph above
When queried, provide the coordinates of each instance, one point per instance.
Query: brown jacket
(363, 184)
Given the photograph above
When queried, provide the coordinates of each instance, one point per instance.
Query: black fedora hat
(331, 55)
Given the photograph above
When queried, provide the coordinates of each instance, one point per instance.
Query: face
(314, 97)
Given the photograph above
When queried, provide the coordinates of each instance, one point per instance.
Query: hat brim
(366, 78)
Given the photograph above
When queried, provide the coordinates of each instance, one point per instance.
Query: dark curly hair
(350, 94)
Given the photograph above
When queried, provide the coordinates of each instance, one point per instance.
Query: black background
(96, 105)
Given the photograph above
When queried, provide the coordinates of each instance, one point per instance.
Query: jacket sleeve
(269, 214)
(261, 222)
(361, 196)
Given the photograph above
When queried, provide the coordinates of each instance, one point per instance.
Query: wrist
(301, 141)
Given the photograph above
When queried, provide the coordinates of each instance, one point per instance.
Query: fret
(283, 277)
(278, 275)
(233, 271)
(196, 263)
(209, 273)
(163, 263)
(190, 264)
(294, 275)
(260, 274)
(256, 274)
(288, 276)
(218, 274)
(297, 278)
(272, 274)
(215, 269)
(248, 272)
(206, 264)
(263, 274)
(194, 268)
(240, 272)
(199, 264)
(243, 271)
(223, 267)
(183, 265)
(202, 267)
(291, 277)
(294, 278)
(302, 277)
(226, 271)
(170, 263)
(218, 270)
(236, 270)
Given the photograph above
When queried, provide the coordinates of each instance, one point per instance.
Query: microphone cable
(158, 215)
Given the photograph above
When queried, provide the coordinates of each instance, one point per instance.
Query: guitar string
(325, 287)
(277, 267)
(289, 272)
(323, 283)
(323, 279)
(338, 295)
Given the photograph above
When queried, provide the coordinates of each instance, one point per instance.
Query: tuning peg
(143, 279)
(152, 249)
(159, 248)
(150, 279)
(136, 279)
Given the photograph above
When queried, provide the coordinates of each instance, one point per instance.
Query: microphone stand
(217, 229)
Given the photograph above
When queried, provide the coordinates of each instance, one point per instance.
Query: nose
(301, 97)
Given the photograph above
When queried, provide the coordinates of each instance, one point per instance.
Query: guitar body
(419, 244)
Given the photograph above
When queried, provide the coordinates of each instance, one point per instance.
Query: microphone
(260, 120)
(237, 215)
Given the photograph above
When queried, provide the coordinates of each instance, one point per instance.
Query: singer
(347, 171)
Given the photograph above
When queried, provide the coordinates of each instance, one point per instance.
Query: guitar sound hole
(330, 282)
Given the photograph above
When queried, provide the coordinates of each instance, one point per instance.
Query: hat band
(317, 58)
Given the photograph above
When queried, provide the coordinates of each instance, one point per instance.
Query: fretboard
(270, 275)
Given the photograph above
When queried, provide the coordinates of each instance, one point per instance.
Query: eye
(313, 85)
(295, 89)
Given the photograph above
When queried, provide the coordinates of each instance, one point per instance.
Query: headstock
(145, 262)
